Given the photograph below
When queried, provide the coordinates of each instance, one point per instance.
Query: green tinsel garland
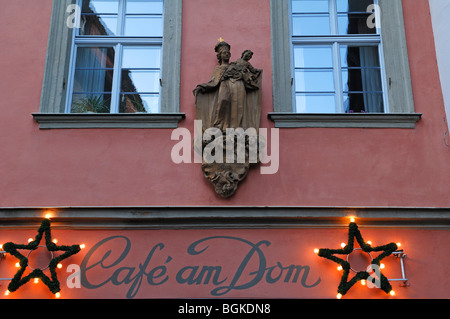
(53, 283)
(353, 233)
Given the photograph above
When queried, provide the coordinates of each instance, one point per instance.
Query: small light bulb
(316, 250)
(30, 240)
(352, 219)
(55, 241)
(392, 293)
(382, 266)
(338, 296)
(342, 245)
(48, 216)
(399, 245)
(57, 295)
(369, 242)
(7, 292)
(1, 246)
(363, 282)
(339, 267)
(17, 264)
(36, 280)
(82, 246)
(59, 266)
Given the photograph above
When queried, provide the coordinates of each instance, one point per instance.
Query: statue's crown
(221, 44)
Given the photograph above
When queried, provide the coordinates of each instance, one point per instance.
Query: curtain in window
(93, 79)
(371, 82)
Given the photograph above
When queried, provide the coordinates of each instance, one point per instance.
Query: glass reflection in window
(361, 78)
(93, 78)
(140, 76)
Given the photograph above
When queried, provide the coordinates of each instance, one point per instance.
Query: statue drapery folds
(230, 100)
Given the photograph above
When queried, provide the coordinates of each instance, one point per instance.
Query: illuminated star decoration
(52, 283)
(353, 233)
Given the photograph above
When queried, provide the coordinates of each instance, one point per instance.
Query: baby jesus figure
(244, 61)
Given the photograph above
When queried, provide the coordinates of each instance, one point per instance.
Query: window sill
(353, 120)
(94, 120)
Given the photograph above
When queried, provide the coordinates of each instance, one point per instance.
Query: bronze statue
(230, 105)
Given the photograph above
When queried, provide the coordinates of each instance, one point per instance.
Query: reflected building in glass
(117, 56)
(336, 57)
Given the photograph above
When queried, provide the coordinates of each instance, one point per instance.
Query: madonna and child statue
(229, 108)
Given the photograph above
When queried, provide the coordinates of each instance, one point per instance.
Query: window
(336, 57)
(118, 69)
(330, 60)
(117, 57)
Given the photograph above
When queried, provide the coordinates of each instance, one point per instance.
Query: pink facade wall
(318, 167)
(133, 167)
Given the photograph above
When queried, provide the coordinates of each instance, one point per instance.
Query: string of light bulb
(345, 267)
(37, 274)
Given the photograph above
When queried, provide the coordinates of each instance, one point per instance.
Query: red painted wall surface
(319, 167)
(427, 278)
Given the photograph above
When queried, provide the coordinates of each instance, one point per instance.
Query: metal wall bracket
(399, 254)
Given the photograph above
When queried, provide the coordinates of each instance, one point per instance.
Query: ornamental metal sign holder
(401, 255)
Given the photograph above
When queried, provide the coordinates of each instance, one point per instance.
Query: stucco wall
(120, 167)
(440, 11)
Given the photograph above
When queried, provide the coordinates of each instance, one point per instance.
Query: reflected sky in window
(140, 18)
(308, 6)
(100, 6)
(315, 17)
(144, 6)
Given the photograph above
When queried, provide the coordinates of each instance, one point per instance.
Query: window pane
(96, 80)
(353, 5)
(140, 81)
(307, 6)
(311, 24)
(151, 26)
(92, 24)
(363, 103)
(356, 23)
(145, 103)
(315, 103)
(352, 56)
(362, 80)
(93, 79)
(95, 103)
(100, 6)
(313, 57)
(95, 57)
(141, 57)
(314, 81)
(145, 6)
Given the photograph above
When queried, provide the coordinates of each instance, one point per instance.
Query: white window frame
(118, 43)
(335, 40)
(396, 80)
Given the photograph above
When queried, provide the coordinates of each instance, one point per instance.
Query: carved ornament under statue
(229, 107)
